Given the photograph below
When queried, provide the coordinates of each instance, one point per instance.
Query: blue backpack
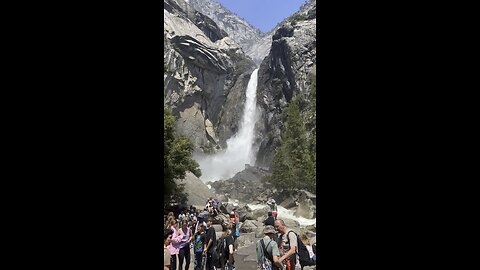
(266, 261)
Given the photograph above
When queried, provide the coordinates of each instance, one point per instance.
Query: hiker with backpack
(224, 249)
(199, 245)
(270, 220)
(293, 250)
(268, 253)
(211, 243)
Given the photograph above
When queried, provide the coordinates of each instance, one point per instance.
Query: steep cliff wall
(205, 71)
(288, 70)
(244, 34)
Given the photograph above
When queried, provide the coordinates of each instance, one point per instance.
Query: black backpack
(219, 254)
(302, 251)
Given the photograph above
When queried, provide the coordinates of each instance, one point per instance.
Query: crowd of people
(193, 230)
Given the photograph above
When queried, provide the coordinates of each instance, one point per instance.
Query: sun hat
(268, 229)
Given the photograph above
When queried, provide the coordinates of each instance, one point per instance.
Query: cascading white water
(239, 151)
(286, 213)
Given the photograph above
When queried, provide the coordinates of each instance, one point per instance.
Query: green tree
(177, 160)
(293, 165)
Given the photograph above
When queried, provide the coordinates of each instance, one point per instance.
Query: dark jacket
(269, 221)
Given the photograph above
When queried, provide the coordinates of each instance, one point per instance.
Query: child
(198, 247)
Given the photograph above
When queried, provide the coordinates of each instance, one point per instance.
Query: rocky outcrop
(196, 190)
(244, 34)
(206, 72)
(288, 70)
(246, 186)
(248, 226)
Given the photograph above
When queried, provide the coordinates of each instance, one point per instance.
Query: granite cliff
(205, 70)
(288, 70)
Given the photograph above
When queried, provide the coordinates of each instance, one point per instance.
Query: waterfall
(239, 151)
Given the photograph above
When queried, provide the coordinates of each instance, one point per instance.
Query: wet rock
(305, 209)
(312, 228)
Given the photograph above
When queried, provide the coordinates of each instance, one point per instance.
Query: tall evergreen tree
(177, 159)
(293, 165)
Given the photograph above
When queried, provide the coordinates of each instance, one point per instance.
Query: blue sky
(263, 14)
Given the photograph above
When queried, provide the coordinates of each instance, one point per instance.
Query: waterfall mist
(240, 151)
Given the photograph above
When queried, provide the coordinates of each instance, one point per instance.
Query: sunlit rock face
(287, 71)
(206, 72)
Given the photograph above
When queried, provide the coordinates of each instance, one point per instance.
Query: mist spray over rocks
(240, 151)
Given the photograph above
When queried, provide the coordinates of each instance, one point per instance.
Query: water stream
(240, 150)
(285, 213)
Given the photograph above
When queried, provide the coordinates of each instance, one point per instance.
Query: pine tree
(177, 159)
(293, 165)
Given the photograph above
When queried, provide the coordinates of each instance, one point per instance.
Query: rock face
(246, 186)
(196, 190)
(206, 71)
(288, 70)
(248, 226)
(244, 34)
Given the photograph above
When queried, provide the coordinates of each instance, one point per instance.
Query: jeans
(198, 263)
(184, 253)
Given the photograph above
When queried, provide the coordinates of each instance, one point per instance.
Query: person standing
(174, 246)
(167, 239)
(236, 233)
(267, 248)
(184, 251)
(211, 243)
(306, 242)
(288, 244)
(270, 220)
(228, 236)
(199, 245)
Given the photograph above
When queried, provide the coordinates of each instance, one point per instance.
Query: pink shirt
(174, 246)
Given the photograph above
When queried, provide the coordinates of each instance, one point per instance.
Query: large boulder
(306, 204)
(292, 224)
(220, 219)
(245, 186)
(261, 213)
(289, 202)
(246, 239)
(305, 209)
(196, 190)
(259, 232)
(244, 216)
(248, 226)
